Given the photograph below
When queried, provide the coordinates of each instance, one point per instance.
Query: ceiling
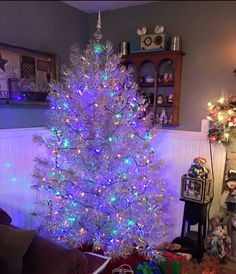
(95, 6)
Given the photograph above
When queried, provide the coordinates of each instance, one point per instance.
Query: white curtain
(176, 148)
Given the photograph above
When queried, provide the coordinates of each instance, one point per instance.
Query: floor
(210, 265)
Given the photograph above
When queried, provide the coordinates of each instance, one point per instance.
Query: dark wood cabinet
(159, 77)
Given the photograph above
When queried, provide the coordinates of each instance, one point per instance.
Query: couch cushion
(5, 219)
(46, 257)
(13, 245)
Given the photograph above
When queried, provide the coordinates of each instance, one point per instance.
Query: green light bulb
(71, 219)
(53, 173)
(118, 116)
(98, 48)
(66, 143)
(131, 222)
(114, 232)
(113, 199)
(148, 136)
(105, 77)
(65, 105)
(127, 161)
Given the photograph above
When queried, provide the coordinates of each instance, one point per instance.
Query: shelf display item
(165, 77)
(159, 99)
(170, 77)
(149, 79)
(142, 31)
(163, 117)
(196, 185)
(170, 120)
(170, 98)
(4, 93)
(2, 63)
(159, 29)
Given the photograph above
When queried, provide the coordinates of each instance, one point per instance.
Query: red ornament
(212, 138)
(233, 119)
(58, 198)
(213, 113)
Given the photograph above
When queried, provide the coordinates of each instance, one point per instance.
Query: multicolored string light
(222, 117)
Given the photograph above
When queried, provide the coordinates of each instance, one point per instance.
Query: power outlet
(205, 125)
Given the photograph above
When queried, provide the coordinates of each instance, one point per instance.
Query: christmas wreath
(222, 117)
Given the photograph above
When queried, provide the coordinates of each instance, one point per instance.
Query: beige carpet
(208, 264)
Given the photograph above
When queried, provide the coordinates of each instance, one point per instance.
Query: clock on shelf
(158, 41)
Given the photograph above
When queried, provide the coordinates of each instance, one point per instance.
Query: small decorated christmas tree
(99, 179)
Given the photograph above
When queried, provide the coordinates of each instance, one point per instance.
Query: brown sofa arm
(46, 257)
(78, 261)
(5, 219)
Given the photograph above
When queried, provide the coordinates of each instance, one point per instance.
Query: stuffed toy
(232, 234)
(218, 242)
(229, 193)
(198, 169)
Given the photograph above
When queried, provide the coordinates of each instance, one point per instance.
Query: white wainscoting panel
(17, 152)
(176, 148)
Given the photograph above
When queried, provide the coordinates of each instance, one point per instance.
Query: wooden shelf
(23, 103)
(170, 105)
(152, 85)
(146, 85)
(168, 126)
(167, 84)
(149, 54)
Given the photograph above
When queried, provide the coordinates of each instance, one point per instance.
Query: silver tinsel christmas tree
(99, 180)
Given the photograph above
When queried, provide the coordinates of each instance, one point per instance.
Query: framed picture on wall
(27, 74)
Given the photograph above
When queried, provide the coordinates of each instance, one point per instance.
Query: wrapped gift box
(171, 263)
(147, 268)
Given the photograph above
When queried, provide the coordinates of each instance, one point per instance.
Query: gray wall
(49, 26)
(207, 28)
(208, 31)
